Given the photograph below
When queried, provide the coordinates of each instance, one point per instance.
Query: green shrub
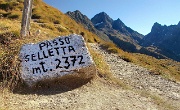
(82, 33)
(61, 29)
(16, 33)
(90, 41)
(56, 22)
(127, 59)
(35, 16)
(14, 16)
(71, 31)
(40, 21)
(6, 37)
(110, 47)
(113, 50)
(20, 1)
(6, 14)
(48, 26)
(8, 6)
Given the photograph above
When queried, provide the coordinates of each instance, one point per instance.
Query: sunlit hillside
(48, 23)
(44, 17)
(167, 68)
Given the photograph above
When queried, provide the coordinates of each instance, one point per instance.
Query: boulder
(60, 58)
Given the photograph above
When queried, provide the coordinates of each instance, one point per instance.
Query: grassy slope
(51, 22)
(54, 23)
(167, 68)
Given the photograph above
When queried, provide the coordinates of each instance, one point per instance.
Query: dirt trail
(98, 95)
(141, 79)
(102, 95)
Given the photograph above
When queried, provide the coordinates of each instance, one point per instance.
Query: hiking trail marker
(53, 58)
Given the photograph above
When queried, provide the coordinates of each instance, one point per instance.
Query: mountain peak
(77, 11)
(118, 19)
(103, 13)
(103, 19)
(179, 23)
(118, 25)
(80, 18)
(156, 24)
(166, 38)
(119, 22)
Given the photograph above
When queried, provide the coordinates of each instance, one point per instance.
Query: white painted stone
(53, 58)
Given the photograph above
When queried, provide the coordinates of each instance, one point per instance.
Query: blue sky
(140, 15)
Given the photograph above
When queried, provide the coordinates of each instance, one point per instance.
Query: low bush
(56, 22)
(127, 59)
(110, 47)
(48, 26)
(61, 29)
(14, 16)
(8, 6)
(35, 16)
(5, 14)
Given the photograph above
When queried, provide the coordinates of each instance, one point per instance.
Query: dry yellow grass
(54, 23)
(167, 68)
(9, 50)
(104, 71)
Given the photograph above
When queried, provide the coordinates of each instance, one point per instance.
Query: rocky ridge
(110, 27)
(115, 31)
(165, 38)
(86, 22)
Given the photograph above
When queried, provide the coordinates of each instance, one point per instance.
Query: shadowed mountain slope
(166, 39)
(86, 22)
(115, 31)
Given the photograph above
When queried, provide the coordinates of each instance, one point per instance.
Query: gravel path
(141, 79)
(99, 94)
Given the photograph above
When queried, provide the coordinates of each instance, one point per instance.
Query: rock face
(123, 36)
(80, 18)
(161, 42)
(121, 27)
(165, 38)
(102, 20)
(107, 28)
(86, 22)
(54, 58)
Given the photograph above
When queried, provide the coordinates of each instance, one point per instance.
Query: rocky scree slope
(141, 79)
